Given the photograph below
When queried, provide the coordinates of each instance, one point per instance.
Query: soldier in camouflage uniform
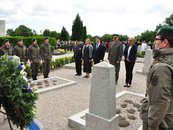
(6, 48)
(34, 58)
(20, 50)
(157, 107)
(46, 56)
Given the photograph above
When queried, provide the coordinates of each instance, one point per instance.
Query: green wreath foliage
(19, 100)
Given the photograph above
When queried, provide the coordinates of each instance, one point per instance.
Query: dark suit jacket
(77, 52)
(99, 53)
(132, 54)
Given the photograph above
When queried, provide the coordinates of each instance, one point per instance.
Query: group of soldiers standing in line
(33, 54)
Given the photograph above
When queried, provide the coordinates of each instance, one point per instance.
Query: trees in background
(79, 32)
(64, 36)
(77, 28)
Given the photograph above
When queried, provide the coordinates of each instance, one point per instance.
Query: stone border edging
(44, 90)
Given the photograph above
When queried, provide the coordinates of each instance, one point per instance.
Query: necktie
(97, 46)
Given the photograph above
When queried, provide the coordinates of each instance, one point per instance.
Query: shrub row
(27, 40)
(142, 54)
(57, 63)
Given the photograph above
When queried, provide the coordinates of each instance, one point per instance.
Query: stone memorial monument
(102, 114)
(2, 27)
(148, 60)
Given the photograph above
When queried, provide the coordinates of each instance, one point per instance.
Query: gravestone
(139, 49)
(148, 60)
(102, 114)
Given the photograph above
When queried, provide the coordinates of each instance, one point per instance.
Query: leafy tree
(22, 30)
(55, 34)
(46, 32)
(64, 34)
(10, 32)
(90, 37)
(123, 37)
(77, 28)
(169, 20)
(148, 36)
(107, 37)
(84, 33)
(158, 26)
(138, 38)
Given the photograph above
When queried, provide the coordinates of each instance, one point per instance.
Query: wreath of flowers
(18, 99)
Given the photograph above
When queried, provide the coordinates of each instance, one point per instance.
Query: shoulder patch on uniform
(154, 80)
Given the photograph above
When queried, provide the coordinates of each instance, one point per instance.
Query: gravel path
(56, 106)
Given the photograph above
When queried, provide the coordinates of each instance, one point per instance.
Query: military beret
(33, 40)
(19, 40)
(46, 38)
(166, 31)
(115, 35)
(6, 40)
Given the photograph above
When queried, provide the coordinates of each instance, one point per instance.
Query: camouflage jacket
(157, 108)
(21, 52)
(33, 53)
(6, 50)
(45, 52)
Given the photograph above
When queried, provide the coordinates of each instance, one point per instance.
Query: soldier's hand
(149, 129)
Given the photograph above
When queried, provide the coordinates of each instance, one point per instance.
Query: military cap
(6, 40)
(46, 38)
(165, 31)
(19, 40)
(33, 40)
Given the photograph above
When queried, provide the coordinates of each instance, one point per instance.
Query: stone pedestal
(102, 108)
(148, 60)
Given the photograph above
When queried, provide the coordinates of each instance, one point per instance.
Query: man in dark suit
(130, 58)
(78, 57)
(98, 51)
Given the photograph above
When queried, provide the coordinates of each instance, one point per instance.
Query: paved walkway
(54, 108)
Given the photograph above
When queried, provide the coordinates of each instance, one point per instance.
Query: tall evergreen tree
(64, 34)
(84, 33)
(77, 28)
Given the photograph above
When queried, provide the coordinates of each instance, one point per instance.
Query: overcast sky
(127, 17)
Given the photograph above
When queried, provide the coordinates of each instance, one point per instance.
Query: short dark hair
(170, 40)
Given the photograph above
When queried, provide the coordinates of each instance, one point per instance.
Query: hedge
(27, 40)
(57, 63)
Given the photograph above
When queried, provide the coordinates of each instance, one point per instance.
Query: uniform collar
(162, 52)
(164, 55)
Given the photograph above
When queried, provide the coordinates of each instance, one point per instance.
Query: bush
(142, 54)
(54, 64)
